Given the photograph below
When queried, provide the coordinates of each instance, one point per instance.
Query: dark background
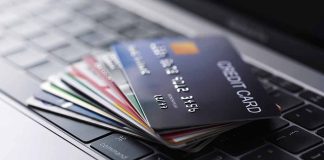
(294, 28)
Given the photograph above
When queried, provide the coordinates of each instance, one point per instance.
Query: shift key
(121, 147)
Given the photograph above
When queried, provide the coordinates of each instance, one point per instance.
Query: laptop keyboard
(41, 37)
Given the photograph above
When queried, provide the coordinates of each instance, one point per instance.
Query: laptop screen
(294, 28)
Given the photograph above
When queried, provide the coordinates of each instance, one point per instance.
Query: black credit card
(186, 82)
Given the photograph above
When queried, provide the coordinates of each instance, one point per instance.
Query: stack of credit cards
(179, 92)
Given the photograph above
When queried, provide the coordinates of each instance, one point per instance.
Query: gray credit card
(186, 82)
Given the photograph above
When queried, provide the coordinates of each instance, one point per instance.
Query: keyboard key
(172, 153)
(249, 136)
(239, 140)
(267, 86)
(30, 28)
(313, 97)
(260, 73)
(266, 126)
(99, 38)
(98, 11)
(78, 4)
(50, 41)
(118, 146)
(16, 83)
(27, 58)
(35, 7)
(308, 117)
(314, 154)
(268, 152)
(19, 9)
(156, 157)
(82, 131)
(71, 53)
(10, 45)
(285, 84)
(144, 29)
(216, 155)
(321, 132)
(294, 139)
(120, 22)
(77, 26)
(151, 26)
(285, 101)
(56, 16)
(44, 70)
(9, 19)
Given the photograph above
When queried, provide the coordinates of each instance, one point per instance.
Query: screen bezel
(287, 45)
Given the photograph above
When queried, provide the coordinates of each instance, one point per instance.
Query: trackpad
(23, 138)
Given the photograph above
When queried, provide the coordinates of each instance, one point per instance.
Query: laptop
(283, 42)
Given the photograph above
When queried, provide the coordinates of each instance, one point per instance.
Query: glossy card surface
(181, 82)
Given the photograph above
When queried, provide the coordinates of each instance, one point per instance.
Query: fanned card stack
(179, 92)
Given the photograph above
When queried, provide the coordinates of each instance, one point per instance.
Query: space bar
(16, 83)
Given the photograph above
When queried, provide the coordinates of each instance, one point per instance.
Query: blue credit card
(185, 82)
(54, 100)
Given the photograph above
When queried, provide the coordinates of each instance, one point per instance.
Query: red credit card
(103, 89)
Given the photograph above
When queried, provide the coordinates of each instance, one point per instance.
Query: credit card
(56, 81)
(71, 81)
(198, 146)
(32, 102)
(114, 68)
(54, 100)
(197, 134)
(112, 71)
(186, 82)
(94, 96)
(78, 73)
(50, 88)
(98, 69)
(98, 72)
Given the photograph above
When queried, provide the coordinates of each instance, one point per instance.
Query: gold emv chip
(184, 48)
